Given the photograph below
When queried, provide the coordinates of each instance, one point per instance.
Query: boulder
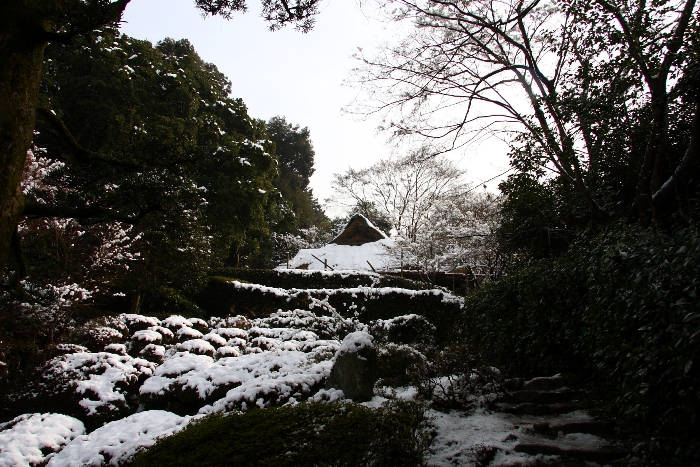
(355, 368)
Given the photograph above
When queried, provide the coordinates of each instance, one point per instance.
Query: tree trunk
(21, 56)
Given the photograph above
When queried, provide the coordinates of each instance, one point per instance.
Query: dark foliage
(320, 434)
(621, 306)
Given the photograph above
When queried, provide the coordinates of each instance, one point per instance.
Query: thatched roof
(359, 231)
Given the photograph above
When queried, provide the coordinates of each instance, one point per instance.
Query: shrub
(320, 434)
(224, 296)
(454, 378)
(622, 306)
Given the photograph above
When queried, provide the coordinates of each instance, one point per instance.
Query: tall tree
(405, 190)
(296, 164)
(173, 155)
(595, 90)
(26, 27)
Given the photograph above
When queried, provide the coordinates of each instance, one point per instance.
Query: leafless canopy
(475, 66)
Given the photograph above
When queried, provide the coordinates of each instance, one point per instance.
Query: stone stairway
(552, 427)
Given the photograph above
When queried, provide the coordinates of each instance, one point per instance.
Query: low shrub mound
(318, 434)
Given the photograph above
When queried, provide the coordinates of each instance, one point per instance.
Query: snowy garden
(129, 380)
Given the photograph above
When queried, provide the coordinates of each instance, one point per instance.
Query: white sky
(299, 76)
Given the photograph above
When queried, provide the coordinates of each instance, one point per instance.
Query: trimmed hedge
(318, 434)
(623, 308)
(298, 279)
(223, 296)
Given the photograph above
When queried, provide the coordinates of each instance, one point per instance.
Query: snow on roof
(346, 257)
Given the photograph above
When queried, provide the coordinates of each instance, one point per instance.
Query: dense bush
(320, 434)
(624, 307)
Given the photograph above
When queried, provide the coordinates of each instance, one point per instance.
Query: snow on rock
(347, 257)
(356, 341)
(118, 441)
(29, 439)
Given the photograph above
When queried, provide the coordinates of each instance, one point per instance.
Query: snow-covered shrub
(98, 333)
(323, 434)
(153, 353)
(394, 363)
(365, 304)
(454, 378)
(118, 441)
(140, 339)
(325, 327)
(31, 439)
(404, 329)
(93, 387)
(197, 347)
(186, 382)
(136, 322)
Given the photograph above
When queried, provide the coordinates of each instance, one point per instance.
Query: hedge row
(299, 279)
(624, 309)
(224, 296)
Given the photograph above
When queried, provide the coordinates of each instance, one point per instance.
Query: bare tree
(460, 235)
(540, 68)
(406, 189)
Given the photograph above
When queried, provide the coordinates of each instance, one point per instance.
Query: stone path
(552, 428)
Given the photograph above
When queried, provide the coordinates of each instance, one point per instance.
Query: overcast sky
(299, 76)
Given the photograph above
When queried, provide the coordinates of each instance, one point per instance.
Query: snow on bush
(118, 441)
(404, 329)
(261, 377)
(176, 322)
(215, 339)
(197, 346)
(139, 322)
(99, 382)
(29, 439)
(185, 333)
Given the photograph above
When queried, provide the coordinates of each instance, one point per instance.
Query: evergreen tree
(172, 154)
(296, 159)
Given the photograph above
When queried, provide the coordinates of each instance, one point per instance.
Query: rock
(355, 369)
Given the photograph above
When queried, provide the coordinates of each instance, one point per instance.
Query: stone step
(544, 397)
(532, 408)
(549, 383)
(592, 427)
(602, 455)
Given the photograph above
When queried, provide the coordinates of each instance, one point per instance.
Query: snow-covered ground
(197, 367)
